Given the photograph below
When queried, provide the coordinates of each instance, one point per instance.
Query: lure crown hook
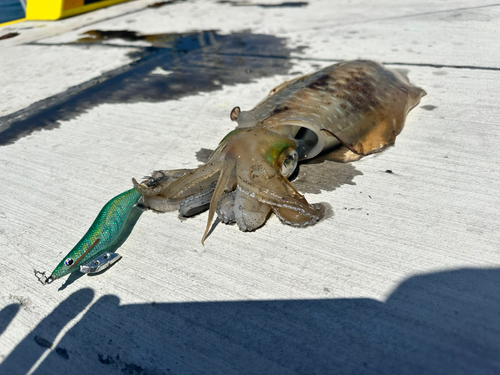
(43, 278)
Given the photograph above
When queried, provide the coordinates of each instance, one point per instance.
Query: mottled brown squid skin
(358, 104)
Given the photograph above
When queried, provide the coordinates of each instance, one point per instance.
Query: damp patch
(201, 61)
(8, 35)
(44, 343)
(428, 107)
(160, 4)
(286, 4)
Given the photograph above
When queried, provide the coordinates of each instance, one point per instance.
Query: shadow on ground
(175, 65)
(446, 322)
(7, 314)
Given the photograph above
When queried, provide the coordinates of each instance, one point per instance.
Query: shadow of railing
(445, 322)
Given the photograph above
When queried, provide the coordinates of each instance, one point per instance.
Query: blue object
(11, 10)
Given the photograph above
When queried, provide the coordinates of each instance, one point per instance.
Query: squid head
(245, 180)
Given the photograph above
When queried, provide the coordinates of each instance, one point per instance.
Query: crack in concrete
(336, 23)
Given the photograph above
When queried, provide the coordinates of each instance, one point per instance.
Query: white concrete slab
(402, 276)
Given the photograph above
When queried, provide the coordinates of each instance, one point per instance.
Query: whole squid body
(355, 108)
(351, 109)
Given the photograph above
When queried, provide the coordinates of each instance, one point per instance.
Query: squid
(355, 108)
(348, 110)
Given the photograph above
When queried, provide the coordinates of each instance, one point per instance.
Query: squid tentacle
(220, 188)
(197, 203)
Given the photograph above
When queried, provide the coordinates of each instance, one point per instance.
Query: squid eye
(68, 262)
(287, 161)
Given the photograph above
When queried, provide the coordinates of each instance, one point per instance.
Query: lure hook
(43, 278)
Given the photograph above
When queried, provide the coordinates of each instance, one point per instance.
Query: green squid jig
(90, 255)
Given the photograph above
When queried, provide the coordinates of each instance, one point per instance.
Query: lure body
(102, 234)
(357, 106)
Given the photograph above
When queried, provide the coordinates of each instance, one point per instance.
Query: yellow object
(56, 9)
(12, 22)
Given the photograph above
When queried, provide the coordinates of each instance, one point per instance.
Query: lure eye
(287, 161)
(68, 262)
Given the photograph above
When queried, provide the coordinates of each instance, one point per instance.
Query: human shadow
(440, 323)
(32, 347)
(8, 314)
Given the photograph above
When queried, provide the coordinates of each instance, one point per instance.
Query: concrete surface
(402, 276)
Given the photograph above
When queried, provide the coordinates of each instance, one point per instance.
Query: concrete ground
(401, 276)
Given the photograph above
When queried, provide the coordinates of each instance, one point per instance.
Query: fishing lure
(91, 254)
(354, 108)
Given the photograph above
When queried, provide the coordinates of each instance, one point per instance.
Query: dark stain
(132, 369)
(428, 107)
(121, 366)
(198, 62)
(163, 3)
(44, 343)
(93, 36)
(181, 42)
(286, 4)
(440, 72)
(8, 35)
(62, 352)
(105, 361)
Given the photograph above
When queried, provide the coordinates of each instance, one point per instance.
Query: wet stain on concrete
(428, 107)
(440, 72)
(44, 343)
(123, 367)
(165, 40)
(105, 361)
(162, 3)
(198, 62)
(62, 352)
(8, 35)
(286, 4)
